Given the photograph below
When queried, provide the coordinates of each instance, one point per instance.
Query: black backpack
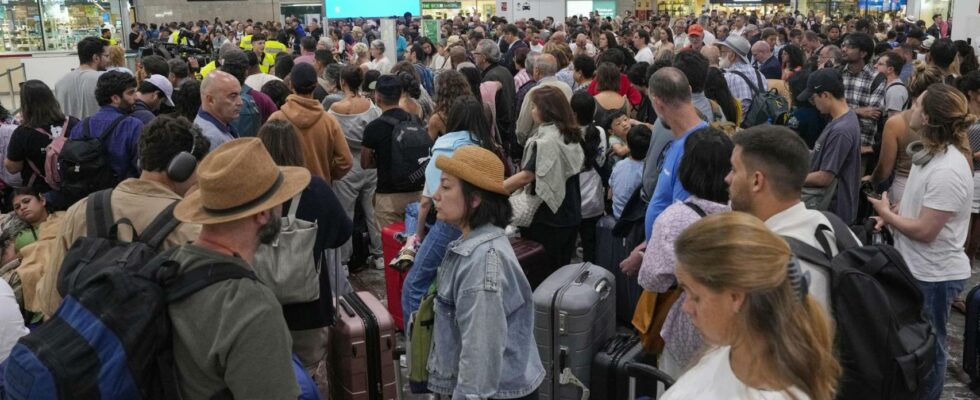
(410, 153)
(767, 107)
(111, 336)
(84, 165)
(885, 345)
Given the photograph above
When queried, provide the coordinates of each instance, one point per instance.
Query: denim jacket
(483, 341)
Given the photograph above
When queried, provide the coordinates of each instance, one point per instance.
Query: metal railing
(12, 93)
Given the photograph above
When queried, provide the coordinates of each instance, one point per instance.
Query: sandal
(959, 305)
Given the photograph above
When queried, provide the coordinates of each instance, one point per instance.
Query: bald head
(220, 96)
(712, 54)
(761, 51)
(546, 65)
(670, 86)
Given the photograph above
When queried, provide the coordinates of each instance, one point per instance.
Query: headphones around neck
(920, 155)
(182, 166)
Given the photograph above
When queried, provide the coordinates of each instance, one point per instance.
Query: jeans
(938, 297)
(427, 261)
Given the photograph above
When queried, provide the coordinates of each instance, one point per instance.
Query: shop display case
(53, 25)
(676, 7)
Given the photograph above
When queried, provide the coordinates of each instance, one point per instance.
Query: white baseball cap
(164, 85)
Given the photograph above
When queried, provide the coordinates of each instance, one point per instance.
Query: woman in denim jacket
(483, 345)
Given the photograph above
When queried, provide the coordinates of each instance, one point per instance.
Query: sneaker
(379, 262)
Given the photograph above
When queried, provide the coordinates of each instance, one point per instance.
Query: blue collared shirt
(216, 131)
(669, 187)
(123, 145)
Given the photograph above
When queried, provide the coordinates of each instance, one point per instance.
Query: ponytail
(590, 146)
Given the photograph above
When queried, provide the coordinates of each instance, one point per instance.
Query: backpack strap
(755, 89)
(696, 208)
(842, 232)
(107, 133)
(191, 282)
(161, 226)
(390, 120)
(807, 253)
(86, 129)
(98, 211)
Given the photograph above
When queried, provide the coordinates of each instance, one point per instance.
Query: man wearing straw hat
(232, 334)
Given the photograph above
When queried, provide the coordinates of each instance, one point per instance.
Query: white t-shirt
(896, 97)
(944, 184)
(645, 55)
(258, 80)
(713, 379)
(11, 321)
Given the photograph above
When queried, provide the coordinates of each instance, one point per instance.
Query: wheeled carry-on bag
(360, 350)
(611, 378)
(610, 252)
(574, 316)
(533, 260)
(394, 279)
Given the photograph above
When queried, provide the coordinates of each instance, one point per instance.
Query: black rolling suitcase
(971, 350)
(610, 377)
(610, 251)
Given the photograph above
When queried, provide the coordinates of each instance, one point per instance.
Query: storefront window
(56, 25)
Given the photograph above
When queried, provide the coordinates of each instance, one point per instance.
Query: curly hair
(166, 136)
(450, 85)
(113, 83)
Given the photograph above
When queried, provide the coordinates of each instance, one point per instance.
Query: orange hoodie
(324, 146)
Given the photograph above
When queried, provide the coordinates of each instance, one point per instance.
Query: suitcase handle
(603, 288)
(637, 370)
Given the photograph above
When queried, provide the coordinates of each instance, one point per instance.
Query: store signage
(605, 8)
(441, 5)
(737, 3)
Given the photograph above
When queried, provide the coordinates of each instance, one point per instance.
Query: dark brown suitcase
(533, 261)
(360, 355)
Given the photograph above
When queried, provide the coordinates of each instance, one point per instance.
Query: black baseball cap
(303, 77)
(822, 80)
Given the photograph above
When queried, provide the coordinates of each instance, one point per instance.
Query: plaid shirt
(739, 88)
(857, 91)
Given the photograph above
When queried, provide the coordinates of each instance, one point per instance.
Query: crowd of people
(536, 126)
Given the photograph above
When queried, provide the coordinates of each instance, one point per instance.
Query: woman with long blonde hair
(747, 296)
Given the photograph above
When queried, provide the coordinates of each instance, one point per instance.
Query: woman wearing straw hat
(232, 334)
(483, 345)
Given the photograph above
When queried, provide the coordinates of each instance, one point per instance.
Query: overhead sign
(441, 5)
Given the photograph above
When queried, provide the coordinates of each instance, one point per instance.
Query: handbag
(648, 319)
(287, 265)
(524, 205)
(420, 341)
(819, 198)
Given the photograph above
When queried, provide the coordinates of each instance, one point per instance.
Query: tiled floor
(955, 388)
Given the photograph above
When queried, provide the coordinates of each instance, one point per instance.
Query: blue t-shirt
(123, 146)
(444, 146)
(626, 177)
(669, 187)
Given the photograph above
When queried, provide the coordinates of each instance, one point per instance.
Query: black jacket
(506, 120)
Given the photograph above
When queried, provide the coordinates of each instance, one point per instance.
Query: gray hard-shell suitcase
(574, 316)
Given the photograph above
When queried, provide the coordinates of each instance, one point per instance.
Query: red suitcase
(394, 279)
(360, 358)
(532, 258)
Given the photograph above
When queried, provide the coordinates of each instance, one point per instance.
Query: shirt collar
(788, 216)
(478, 236)
(143, 187)
(228, 129)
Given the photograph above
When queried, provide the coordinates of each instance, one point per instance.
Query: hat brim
(470, 175)
(191, 208)
(168, 101)
(744, 58)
